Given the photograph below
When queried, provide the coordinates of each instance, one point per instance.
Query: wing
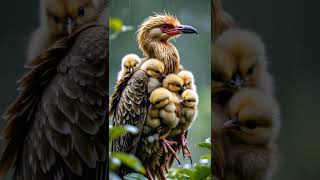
(56, 127)
(130, 102)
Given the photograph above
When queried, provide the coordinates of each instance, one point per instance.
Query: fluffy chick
(159, 98)
(129, 63)
(189, 102)
(175, 85)
(188, 80)
(239, 60)
(249, 134)
(58, 18)
(155, 70)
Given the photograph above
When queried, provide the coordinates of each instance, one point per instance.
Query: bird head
(154, 68)
(253, 118)
(174, 83)
(160, 28)
(62, 17)
(189, 98)
(160, 97)
(130, 62)
(239, 59)
(188, 79)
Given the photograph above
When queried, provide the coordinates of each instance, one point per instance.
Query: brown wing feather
(129, 105)
(56, 128)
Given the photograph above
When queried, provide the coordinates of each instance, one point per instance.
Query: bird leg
(167, 147)
(161, 173)
(149, 174)
(184, 144)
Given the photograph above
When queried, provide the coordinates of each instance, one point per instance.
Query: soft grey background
(19, 19)
(291, 32)
(194, 50)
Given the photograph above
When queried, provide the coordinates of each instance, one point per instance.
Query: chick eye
(251, 69)
(251, 124)
(81, 11)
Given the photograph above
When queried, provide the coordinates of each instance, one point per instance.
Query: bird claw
(167, 147)
(185, 149)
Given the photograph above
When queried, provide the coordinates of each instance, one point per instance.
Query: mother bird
(129, 102)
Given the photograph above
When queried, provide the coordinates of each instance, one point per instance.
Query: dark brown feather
(53, 131)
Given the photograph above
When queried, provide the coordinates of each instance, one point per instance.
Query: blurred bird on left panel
(56, 127)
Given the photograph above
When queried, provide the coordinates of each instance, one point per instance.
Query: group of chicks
(173, 108)
(245, 113)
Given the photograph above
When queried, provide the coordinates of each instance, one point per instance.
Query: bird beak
(181, 101)
(185, 29)
(70, 24)
(181, 29)
(236, 82)
(161, 77)
(130, 70)
(232, 124)
(183, 88)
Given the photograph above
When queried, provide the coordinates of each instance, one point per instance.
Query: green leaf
(135, 176)
(116, 131)
(113, 176)
(130, 161)
(206, 156)
(115, 24)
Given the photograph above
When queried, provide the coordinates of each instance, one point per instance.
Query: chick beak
(130, 70)
(70, 24)
(236, 82)
(181, 101)
(231, 124)
(183, 88)
(161, 77)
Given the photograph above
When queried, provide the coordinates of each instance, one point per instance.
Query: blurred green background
(291, 32)
(20, 18)
(194, 50)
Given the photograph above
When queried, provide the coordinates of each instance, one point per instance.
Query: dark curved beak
(231, 124)
(185, 29)
(70, 24)
(236, 82)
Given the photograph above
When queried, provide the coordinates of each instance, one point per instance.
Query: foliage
(118, 158)
(117, 26)
(199, 171)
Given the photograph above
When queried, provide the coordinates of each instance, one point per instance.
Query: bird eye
(165, 26)
(56, 19)
(251, 69)
(81, 11)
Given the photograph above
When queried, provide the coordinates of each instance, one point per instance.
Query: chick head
(160, 97)
(154, 68)
(174, 83)
(244, 55)
(130, 62)
(189, 98)
(62, 17)
(188, 79)
(254, 118)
